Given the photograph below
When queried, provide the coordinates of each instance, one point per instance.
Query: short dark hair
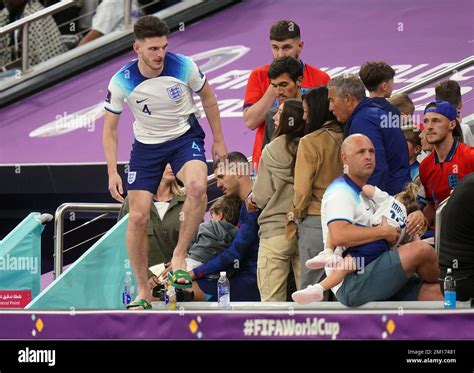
(285, 29)
(375, 72)
(284, 65)
(318, 108)
(229, 206)
(450, 91)
(150, 27)
(233, 157)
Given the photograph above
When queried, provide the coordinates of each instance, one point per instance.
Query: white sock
(321, 286)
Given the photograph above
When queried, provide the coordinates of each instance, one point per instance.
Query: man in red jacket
(443, 169)
(260, 96)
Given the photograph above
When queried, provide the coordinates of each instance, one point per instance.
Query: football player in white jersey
(158, 87)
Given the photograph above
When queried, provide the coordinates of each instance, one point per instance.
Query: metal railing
(25, 23)
(73, 53)
(59, 226)
(449, 70)
(438, 217)
(127, 14)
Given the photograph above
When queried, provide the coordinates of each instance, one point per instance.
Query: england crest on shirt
(175, 92)
(453, 180)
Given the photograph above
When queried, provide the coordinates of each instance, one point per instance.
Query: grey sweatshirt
(212, 238)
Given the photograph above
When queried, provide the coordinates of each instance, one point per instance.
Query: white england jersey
(343, 201)
(162, 105)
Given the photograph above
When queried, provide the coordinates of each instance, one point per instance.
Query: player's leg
(193, 174)
(146, 168)
(137, 240)
(188, 161)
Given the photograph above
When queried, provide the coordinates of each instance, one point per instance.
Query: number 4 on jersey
(146, 110)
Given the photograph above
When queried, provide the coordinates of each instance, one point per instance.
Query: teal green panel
(20, 257)
(95, 280)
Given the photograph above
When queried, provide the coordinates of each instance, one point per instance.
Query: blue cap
(442, 107)
(448, 110)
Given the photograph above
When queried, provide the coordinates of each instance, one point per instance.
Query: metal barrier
(59, 226)
(438, 218)
(29, 72)
(25, 23)
(437, 75)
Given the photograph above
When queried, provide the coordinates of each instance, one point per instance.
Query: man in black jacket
(457, 237)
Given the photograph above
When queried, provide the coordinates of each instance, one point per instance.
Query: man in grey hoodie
(216, 235)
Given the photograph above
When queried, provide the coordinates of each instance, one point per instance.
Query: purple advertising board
(241, 325)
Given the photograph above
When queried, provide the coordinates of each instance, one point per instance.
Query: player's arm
(211, 109)
(346, 234)
(255, 115)
(110, 143)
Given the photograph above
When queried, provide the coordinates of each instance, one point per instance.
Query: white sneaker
(313, 293)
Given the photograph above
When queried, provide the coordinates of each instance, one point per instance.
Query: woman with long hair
(318, 163)
(273, 193)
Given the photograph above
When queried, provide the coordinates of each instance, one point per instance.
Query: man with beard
(442, 170)
(260, 96)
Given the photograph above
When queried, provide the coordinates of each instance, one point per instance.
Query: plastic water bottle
(170, 298)
(223, 291)
(128, 289)
(449, 290)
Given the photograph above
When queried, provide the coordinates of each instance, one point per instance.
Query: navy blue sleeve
(372, 130)
(244, 242)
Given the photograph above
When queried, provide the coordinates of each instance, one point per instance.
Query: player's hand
(164, 276)
(271, 92)
(219, 150)
(115, 187)
(415, 222)
(250, 204)
(391, 233)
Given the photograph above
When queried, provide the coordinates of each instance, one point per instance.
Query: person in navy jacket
(377, 77)
(360, 114)
(239, 260)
